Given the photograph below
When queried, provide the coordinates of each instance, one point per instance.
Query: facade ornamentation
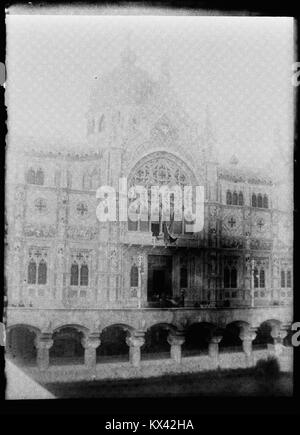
(43, 231)
(81, 232)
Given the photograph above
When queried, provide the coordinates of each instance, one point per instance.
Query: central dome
(125, 85)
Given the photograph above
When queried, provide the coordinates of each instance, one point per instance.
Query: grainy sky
(240, 67)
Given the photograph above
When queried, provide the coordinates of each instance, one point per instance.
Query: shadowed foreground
(221, 383)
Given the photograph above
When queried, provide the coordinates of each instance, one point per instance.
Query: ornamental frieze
(31, 230)
(260, 244)
(232, 242)
(81, 232)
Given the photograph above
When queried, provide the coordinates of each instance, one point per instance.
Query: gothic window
(241, 199)
(233, 278)
(31, 275)
(84, 275)
(183, 277)
(289, 279)
(282, 279)
(230, 277)
(101, 123)
(86, 182)
(265, 201)
(30, 176)
(57, 178)
(134, 276)
(42, 272)
(228, 198)
(259, 201)
(254, 200)
(39, 178)
(94, 179)
(159, 169)
(69, 179)
(235, 198)
(256, 278)
(90, 126)
(262, 278)
(74, 274)
(227, 277)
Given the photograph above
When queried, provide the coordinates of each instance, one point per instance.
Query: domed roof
(126, 85)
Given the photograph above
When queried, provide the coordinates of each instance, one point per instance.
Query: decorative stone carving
(81, 232)
(40, 205)
(82, 209)
(31, 230)
(261, 244)
(232, 242)
(160, 169)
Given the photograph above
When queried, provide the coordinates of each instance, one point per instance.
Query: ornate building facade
(64, 267)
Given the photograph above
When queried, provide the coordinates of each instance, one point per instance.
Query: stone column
(43, 343)
(135, 341)
(247, 337)
(278, 336)
(213, 349)
(90, 345)
(176, 341)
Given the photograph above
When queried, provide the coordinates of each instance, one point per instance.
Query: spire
(165, 68)
(128, 55)
(209, 138)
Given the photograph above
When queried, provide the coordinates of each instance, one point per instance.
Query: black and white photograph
(148, 204)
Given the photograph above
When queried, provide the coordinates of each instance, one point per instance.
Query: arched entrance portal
(161, 214)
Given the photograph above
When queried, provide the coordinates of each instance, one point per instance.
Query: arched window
(101, 123)
(241, 199)
(183, 277)
(259, 200)
(233, 278)
(226, 277)
(256, 276)
(74, 274)
(42, 272)
(262, 278)
(86, 182)
(289, 279)
(94, 179)
(228, 198)
(31, 275)
(134, 276)
(30, 176)
(57, 178)
(69, 179)
(84, 275)
(39, 179)
(265, 202)
(235, 198)
(91, 126)
(282, 279)
(254, 200)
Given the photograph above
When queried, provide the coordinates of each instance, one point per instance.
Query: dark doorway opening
(159, 278)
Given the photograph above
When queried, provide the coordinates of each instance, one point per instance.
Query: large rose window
(159, 169)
